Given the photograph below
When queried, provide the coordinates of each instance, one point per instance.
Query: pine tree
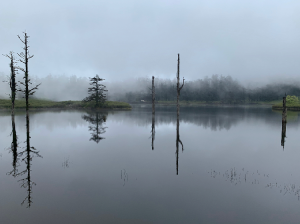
(97, 92)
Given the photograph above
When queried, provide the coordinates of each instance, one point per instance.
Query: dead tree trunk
(153, 114)
(177, 126)
(178, 84)
(24, 57)
(284, 110)
(153, 96)
(12, 80)
(284, 117)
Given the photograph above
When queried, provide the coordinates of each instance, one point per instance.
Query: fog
(211, 88)
(248, 40)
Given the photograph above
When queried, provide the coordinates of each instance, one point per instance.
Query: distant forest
(223, 89)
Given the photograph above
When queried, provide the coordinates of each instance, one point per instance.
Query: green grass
(292, 103)
(39, 103)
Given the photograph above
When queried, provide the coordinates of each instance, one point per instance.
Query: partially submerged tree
(24, 57)
(177, 126)
(12, 79)
(97, 92)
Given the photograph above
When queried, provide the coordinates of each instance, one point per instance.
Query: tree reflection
(96, 120)
(14, 147)
(283, 133)
(177, 143)
(28, 154)
(153, 131)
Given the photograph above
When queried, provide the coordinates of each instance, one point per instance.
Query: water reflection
(177, 143)
(283, 133)
(27, 155)
(153, 131)
(213, 118)
(14, 147)
(96, 120)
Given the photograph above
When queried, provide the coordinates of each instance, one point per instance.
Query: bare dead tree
(178, 84)
(12, 79)
(284, 109)
(153, 114)
(153, 96)
(284, 120)
(24, 57)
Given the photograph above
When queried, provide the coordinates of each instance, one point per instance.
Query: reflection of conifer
(28, 154)
(14, 148)
(96, 120)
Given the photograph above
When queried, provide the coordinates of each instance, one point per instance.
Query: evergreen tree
(97, 92)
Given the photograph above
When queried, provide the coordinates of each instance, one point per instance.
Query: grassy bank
(38, 103)
(292, 103)
(293, 107)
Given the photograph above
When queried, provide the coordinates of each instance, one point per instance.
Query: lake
(223, 165)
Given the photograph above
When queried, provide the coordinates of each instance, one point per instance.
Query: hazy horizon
(252, 41)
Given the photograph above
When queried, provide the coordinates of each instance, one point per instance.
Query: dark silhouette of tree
(24, 57)
(29, 153)
(177, 143)
(178, 84)
(153, 131)
(97, 92)
(12, 79)
(14, 148)
(96, 120)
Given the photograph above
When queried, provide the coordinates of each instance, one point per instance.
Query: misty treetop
(96, 91)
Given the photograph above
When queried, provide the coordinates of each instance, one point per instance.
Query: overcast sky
(249, 40)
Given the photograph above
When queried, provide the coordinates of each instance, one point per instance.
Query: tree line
(223, 89)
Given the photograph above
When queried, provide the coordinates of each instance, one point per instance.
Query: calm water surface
(227, 165)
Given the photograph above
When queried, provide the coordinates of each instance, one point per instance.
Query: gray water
(99, 167)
